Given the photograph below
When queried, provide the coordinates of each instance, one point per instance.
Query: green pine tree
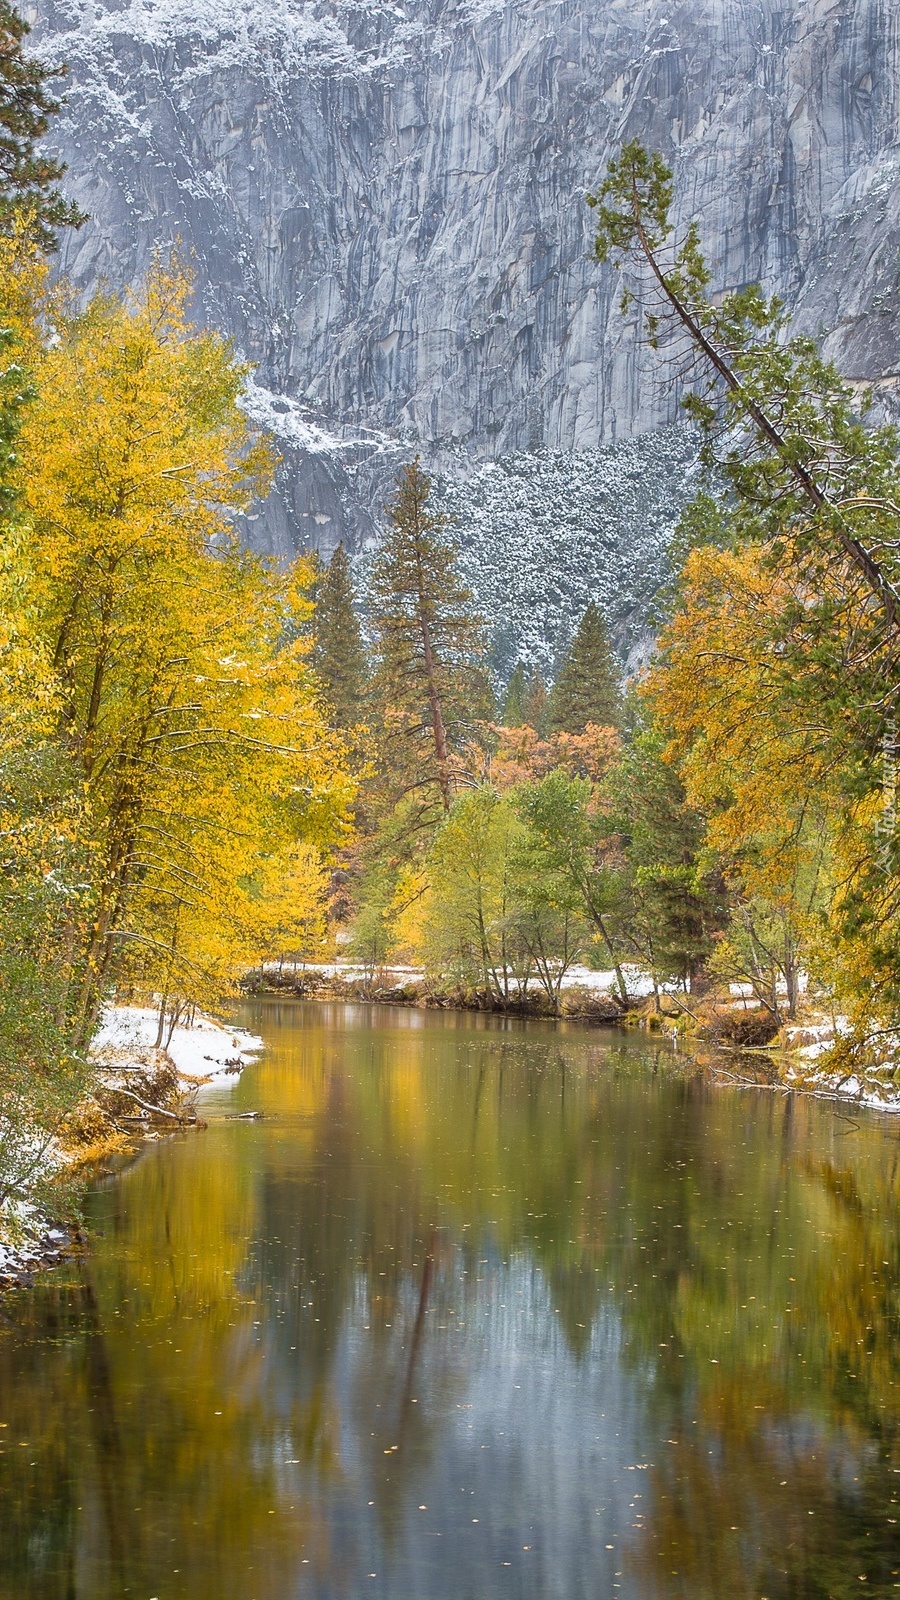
(428, 682)
(587, 686)
(338, 654)
(28, 177)
(514, 700)
(536, 705)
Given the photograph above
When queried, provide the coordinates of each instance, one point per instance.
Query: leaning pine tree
(427, 687)
(587, 687)
(778, 676)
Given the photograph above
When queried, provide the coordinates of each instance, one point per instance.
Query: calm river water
(479, 1309)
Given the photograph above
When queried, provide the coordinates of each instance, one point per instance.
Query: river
(478, 1308)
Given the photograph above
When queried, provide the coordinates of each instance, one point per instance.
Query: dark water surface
(478, 1310)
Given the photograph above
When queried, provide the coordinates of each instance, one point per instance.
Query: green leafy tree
(45, 891)
(469, 927)
(338, 654)
(428, 687)
(496, 911)
(587, 685)
(550, 911)
(672, 897)
(567, 838)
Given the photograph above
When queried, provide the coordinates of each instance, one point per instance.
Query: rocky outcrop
(385, 203)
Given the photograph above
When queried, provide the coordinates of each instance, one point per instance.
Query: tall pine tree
(536, 705)
(428, 685)
(338, 654)
(587, 686)
(514, 700)
(27, 176)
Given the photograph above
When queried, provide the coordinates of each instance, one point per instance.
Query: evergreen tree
(28, 177)
(338, 653)
(536, 705)
(428, 686)
(587, 687)
(514, 701)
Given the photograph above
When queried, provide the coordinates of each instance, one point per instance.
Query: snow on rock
(384, 204)
(276, 36)
(203, 1052)
(293, 425)
(29, 1240)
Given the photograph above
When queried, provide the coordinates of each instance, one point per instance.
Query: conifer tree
(338, 654)
(587, 687)
(514, 702)
(428, 644)
(27, 176)
(536, 705)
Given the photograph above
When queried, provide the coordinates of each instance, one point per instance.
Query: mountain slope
(384, 202)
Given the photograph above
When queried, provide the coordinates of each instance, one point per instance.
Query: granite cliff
(384, 202)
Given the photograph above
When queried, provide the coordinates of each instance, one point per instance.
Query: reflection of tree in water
(779, 1377)
(281, 1330)
(38, 1510)
(676, 1222)
(154, 1457)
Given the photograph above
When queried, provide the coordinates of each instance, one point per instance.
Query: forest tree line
(500, 841)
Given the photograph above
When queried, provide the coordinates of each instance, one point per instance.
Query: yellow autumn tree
(751, 759)
(291, 899)
(184, 695)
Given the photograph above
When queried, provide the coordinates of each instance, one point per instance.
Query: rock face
(385, 204)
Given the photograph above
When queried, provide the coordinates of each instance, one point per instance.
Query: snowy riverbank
(128, 1071)
(871, 1078)
(202, 1053)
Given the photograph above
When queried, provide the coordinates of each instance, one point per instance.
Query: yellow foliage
(718, 688)
(182, 688)
(291, 905)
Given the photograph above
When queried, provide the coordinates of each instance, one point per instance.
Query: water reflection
(477, 1310)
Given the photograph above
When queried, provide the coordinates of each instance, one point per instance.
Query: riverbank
(136, 1092)
(808, 1054)
(585, 996)
(815, 1053)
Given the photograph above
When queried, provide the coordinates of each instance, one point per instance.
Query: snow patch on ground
(873, 1084)
(638, 982)
(205, 1051)
(862, 1090)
